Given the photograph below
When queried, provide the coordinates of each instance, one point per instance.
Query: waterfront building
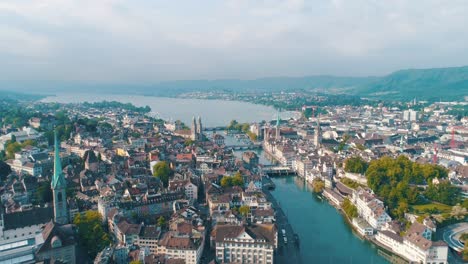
(218, 139)
(245, 244)
(250, 159)
(182, 244)
(370, 208)
(363, 227)
(415, 245)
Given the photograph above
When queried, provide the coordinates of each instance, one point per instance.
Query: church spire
(57, 181)
(59, 186)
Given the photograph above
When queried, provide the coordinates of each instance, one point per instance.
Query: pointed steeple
(277, 125)
(58, 181)
(59, 186)
(277, 119)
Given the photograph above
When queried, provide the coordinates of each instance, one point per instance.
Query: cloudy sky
(152, 40)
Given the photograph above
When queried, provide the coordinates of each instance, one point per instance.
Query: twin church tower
(196, 129)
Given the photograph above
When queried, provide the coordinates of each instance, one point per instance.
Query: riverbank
(387, 252)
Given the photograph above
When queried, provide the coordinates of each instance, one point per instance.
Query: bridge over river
(274, 170)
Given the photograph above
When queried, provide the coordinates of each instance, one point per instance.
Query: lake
(212, 112)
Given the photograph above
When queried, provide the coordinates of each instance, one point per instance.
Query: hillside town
(109, 183)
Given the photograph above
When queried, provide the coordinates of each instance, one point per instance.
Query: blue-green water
(325, 236)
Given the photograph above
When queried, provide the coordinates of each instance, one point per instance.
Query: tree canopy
(244, 210)
(162, 171)
(356, 165)
(396, 181)
(44, 193)
(349, 208)
(229, 181)
(92, 235)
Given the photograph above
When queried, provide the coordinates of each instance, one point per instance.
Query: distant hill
(424, 84)
(270, 84)
(428, 84)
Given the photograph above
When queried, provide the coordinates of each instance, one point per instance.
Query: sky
(145, 41)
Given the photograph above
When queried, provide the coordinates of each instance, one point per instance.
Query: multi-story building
(58, 245)
(149, 237)
(416, 245)
(218, 139)
(245, 244)
(185, 186)
(175, 245)
(370, 208)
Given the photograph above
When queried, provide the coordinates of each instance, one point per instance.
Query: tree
(356, 165)
(349, 208)
(318, 185)
(12, 148)
(229, 181)
(458, 212)
(226, 181)
(90, 231)
(162, 222)
(391, 179)
(244, 210)
(443, 192)
(44, 193)
(5, 170)
(162, 171)
(238, 180)
(245, 127)
(189, 142)
(402, 209)
(232, 125)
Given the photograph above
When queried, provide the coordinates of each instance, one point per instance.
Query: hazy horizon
(148, 42)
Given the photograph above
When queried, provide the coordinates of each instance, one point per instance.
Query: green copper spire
(58, 181)
(277, 119)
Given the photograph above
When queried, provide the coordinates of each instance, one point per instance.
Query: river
(213, 112)
(324, 235)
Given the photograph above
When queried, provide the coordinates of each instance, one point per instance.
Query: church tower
(277, 126)
(59, 187)
(194, 129)
(318, 134)
(199, 126)
(199, 129)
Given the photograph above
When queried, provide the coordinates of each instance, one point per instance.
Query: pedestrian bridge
(278, 170)
(245, 147)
